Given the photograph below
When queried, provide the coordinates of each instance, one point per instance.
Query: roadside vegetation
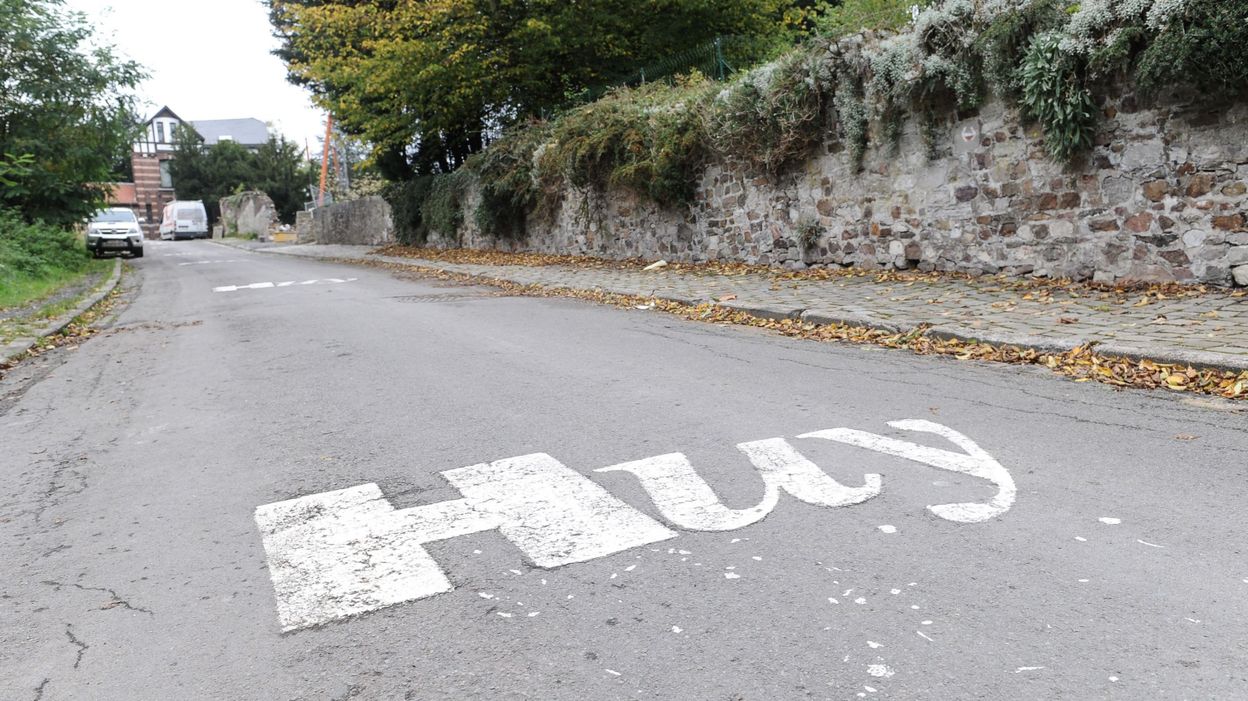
(67, 119)
(860, 70)
(38, 259)
(212, 173)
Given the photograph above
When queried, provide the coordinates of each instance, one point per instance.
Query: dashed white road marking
(265, 285)
(212, 262)
(346, 552)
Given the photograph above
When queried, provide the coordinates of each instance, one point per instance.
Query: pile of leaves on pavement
(80, 329)
(1038, 289)
(1083, 364)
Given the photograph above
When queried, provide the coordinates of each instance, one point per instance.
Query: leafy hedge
(37, 251)
(1055, 60)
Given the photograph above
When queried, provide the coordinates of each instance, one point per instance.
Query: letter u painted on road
(347, 552)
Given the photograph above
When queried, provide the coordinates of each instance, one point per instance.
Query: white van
(184, 220)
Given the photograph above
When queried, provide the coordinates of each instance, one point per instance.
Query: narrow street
(765, 533)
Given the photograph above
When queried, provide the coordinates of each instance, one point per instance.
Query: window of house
(149, 213)
(160, 132)
(166, 177)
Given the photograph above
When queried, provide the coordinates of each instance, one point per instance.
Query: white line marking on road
(874, 645)
(974, 461)
(887, 528)
(731, 575)
(612, 671)
(267, 285)
(1151, 545)
(1027, 669)
(213, 262)
(1081, 539)
(923, 635)
(1109, 520)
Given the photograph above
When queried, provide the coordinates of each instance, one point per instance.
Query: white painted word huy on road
(347, 552)
(288, 283)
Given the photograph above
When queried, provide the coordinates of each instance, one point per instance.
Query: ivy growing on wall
(1054, 58)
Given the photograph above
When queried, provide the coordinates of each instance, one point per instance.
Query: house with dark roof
(153, 151)
(249, 133)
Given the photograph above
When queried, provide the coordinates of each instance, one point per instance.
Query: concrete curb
(1165, 356)
(20, 346)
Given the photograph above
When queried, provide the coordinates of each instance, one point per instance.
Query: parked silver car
(115, 230)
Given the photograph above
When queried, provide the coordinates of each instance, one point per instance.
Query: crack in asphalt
(59, 487)
(73, 639)
(117, 600)
(40, 689)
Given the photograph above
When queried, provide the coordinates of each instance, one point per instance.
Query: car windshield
(114, 215)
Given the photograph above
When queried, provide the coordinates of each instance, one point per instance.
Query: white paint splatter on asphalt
(887, 528)
(880, 670)
(1109, 520)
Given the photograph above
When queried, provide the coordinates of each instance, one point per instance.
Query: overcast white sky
(208, 59)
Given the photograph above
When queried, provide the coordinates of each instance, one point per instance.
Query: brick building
(153, 185)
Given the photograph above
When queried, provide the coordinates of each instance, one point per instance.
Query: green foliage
(427, 204)
(1054, 94)
(1052, 58)
(853, 16)
(506, 177)
(66, 102)
(282, 172)
(444, 206)
(854, 120)
(277, 168)
(1202, 44)
(932, 66)
(436, 77)
(1006, 37)
(773, 115)
(648, 140)
(31, 252)
(406, 199)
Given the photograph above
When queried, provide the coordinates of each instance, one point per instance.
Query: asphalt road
(133, 564)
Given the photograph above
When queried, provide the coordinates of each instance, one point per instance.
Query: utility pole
(325, 149)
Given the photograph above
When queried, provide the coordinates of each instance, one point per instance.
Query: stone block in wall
(304, 231)
(248, 214)
(363, 222)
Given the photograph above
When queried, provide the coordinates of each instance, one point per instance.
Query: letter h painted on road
(342, 553)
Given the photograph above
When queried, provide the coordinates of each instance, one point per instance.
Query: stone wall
(1160, 197)
(365, 221)
(248, 214)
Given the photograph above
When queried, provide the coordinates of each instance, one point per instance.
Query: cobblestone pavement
(1207, 330)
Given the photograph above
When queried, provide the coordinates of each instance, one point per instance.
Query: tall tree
(284, 174)
(432, 79)
(66, 101)
(211, 173)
